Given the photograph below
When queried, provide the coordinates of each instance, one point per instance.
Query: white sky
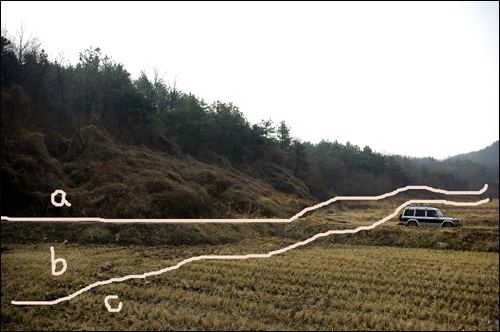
(412, 78)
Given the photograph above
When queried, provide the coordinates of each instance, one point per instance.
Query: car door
(420, 216)
(408, 214)
(432, 218)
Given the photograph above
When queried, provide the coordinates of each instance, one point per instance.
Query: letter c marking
(109, 307)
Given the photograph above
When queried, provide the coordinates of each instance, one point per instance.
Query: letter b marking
(54, 263)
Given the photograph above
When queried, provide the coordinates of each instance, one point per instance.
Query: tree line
(98, 90)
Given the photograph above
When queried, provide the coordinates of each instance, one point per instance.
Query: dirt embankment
(26, 232)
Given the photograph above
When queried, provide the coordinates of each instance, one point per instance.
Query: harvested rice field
(320, 286)
(389, 278)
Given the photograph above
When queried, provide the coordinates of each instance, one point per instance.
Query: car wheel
(412, 223)
(446, 224)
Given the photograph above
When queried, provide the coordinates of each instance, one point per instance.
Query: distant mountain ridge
(487, 156)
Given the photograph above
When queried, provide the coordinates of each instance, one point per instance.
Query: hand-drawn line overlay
(275, 252)
(338, 198)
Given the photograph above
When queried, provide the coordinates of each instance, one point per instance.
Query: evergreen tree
(283, 132)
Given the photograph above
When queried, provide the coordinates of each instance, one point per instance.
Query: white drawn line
(338, 198)
(147, 274)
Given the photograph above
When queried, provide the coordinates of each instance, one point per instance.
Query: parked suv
(418, 215)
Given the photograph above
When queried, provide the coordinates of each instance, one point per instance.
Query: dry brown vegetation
(390, 278)
(317, 287)
(105, 178)
(133, 164)
(479, 234)
(481, 231)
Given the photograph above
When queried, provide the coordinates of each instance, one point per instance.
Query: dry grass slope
(103, 178)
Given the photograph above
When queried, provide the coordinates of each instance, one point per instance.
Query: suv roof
(421, 208)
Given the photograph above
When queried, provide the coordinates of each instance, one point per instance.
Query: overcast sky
(417, 79)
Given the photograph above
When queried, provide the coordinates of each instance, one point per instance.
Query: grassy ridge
(474, 239)
(132, 234)
(481, 231)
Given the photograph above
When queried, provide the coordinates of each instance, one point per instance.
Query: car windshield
(439, 214)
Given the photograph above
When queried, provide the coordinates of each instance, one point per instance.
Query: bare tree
(27, 53)
(64, 80)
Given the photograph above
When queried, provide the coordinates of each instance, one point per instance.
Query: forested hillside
(489, 156)
(93, 130)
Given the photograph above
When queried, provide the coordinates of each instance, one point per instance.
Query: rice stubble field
(324, 285)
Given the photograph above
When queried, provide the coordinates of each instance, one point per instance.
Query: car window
(409, 213)
(439, 214)
(420, 213)
(431, 213)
